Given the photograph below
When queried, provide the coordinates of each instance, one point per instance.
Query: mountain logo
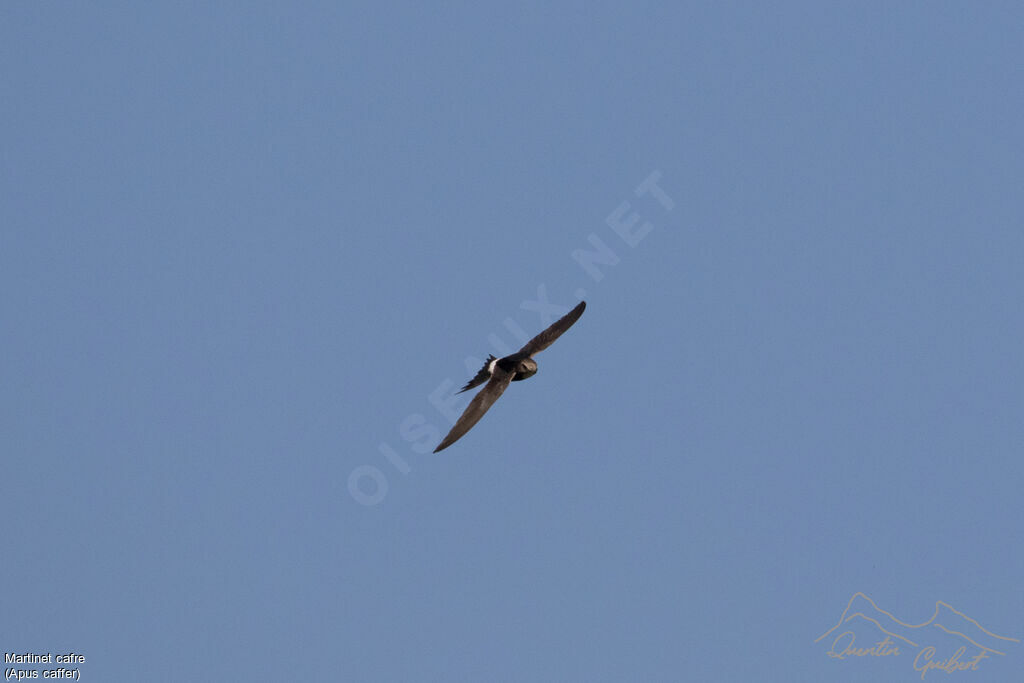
(950, 641)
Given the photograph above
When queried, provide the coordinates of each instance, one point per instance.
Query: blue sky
(250, 249)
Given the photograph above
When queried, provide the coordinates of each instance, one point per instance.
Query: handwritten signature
(923, 661)
(883, 648)
(900, 636)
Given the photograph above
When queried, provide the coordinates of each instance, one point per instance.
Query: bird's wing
(478, 406)
(548, 336)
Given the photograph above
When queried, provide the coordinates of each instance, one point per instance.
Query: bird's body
(520, 370)
(498, 373)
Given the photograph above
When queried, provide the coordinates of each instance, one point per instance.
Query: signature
(898, 636)
(923, 661)
(883, 648)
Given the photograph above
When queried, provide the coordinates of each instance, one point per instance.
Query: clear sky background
(242, 245)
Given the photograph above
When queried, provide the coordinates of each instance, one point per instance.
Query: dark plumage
(500, 372)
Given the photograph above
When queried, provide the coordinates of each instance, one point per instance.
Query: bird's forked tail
(482, 376)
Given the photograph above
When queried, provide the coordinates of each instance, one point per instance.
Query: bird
(500, 372)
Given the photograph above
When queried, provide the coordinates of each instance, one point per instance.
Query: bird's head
(526, 368)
